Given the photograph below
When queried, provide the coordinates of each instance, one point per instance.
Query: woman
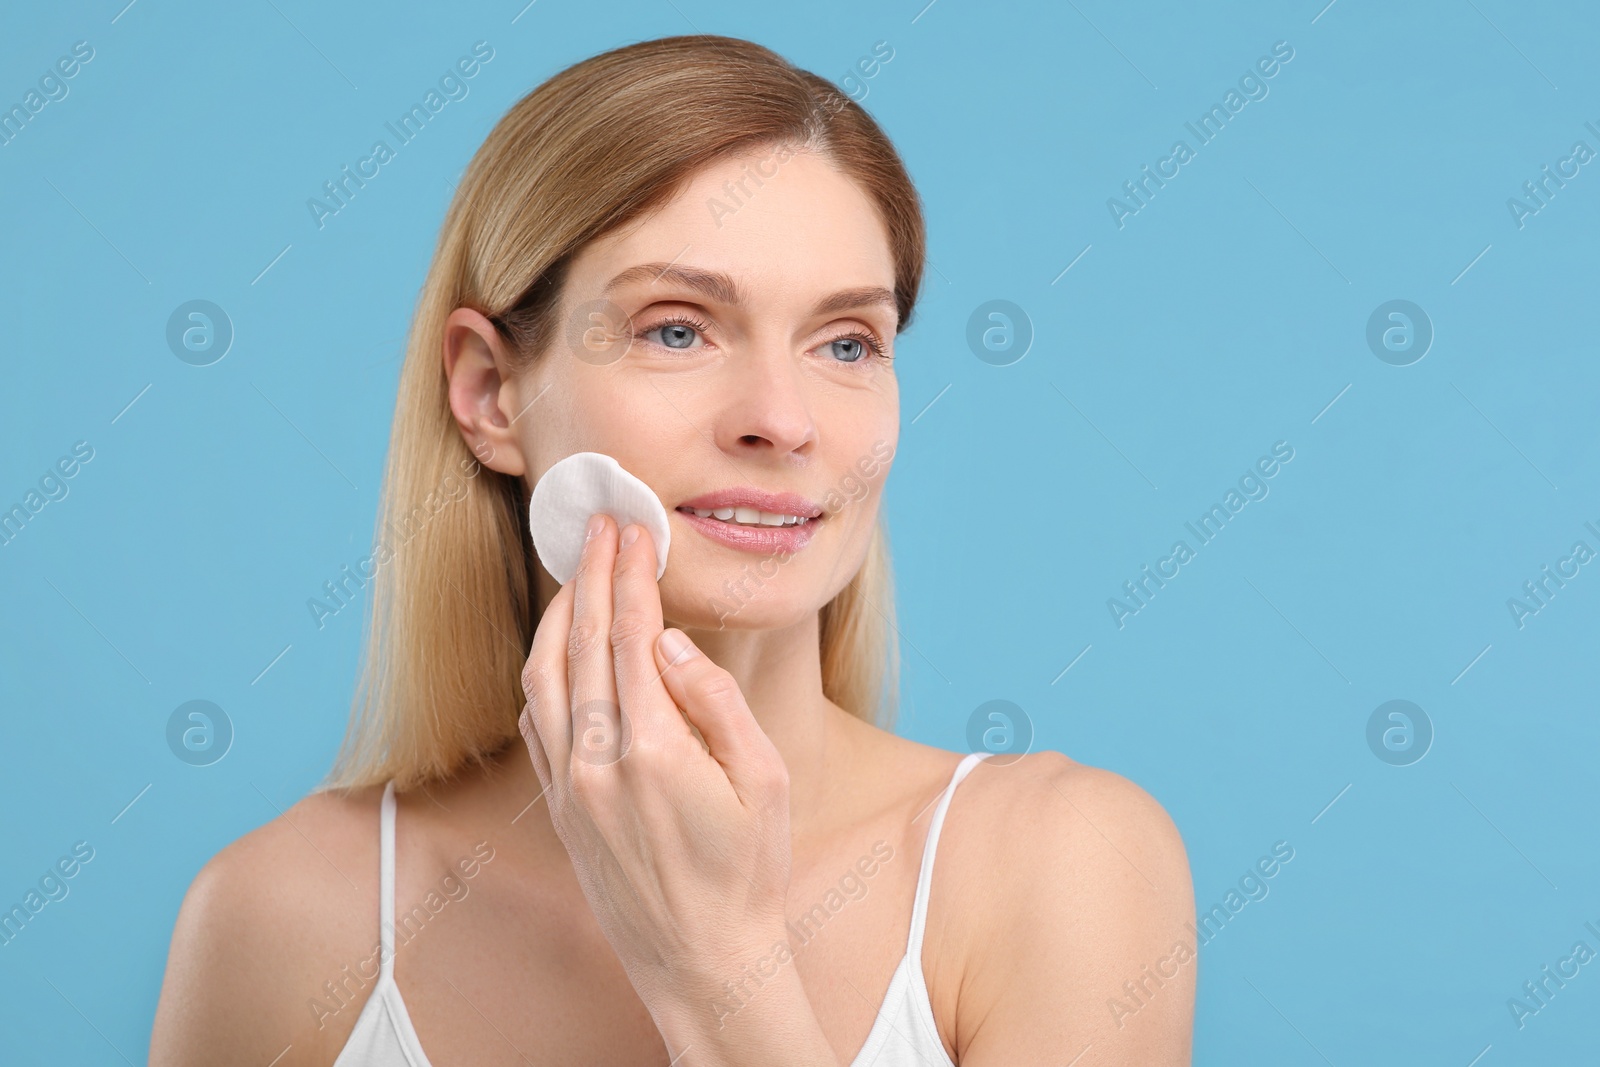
(630, 821)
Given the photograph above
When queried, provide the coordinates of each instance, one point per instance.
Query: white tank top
(903, 1035)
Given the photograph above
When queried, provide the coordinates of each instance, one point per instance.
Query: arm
(209, 977)
(1084, 954)
(263, 924)
(680, 844)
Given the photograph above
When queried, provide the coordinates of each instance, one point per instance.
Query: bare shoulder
(1037, 805)
(265, 924)
(1066, 882)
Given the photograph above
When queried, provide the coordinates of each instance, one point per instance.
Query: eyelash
(866, 337)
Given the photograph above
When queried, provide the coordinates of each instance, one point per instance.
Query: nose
(765, 408)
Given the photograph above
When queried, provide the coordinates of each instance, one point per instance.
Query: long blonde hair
(454, 608)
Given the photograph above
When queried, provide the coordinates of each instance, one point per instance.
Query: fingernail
(630, 534)
(596, 523)
(675, 646)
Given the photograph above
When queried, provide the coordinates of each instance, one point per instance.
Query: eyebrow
(721, 288)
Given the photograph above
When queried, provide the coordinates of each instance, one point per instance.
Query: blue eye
(863, 347)
(677, 335)
(859, 349)
(681, 333)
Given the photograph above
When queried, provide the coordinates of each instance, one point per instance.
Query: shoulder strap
(386, 884)
(919, 907)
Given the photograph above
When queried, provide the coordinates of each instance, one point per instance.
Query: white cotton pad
(580, 486)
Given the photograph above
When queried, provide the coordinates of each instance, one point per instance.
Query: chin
(739, 597)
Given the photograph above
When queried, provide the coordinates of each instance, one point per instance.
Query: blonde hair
(454, 604)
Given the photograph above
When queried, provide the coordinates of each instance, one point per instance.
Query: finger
(635, 624)
(546, 720)
(712, 702)
(536, 754)
(596, 714)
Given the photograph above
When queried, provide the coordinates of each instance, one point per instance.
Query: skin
(623, 894)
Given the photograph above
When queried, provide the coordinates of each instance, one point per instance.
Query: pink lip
(745, 496)
(769, 540)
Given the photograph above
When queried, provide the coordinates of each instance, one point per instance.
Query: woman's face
(725, 345)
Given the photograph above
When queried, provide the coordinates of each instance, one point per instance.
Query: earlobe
(476, 365)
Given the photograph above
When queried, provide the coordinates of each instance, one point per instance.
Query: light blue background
(1223, 317)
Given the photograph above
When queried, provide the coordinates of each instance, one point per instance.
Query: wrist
(756, 1010)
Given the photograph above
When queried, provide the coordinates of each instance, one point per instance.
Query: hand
(681, 849)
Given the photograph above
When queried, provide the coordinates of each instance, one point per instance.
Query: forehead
(794, 227)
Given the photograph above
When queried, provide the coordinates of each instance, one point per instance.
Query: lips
(750, 497)
(743, 518)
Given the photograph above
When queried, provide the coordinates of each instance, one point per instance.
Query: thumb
(713, 704)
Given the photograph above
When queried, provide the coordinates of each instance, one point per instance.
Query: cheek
(587, 411)
(629, 415)
(863, 467)
(854, 501)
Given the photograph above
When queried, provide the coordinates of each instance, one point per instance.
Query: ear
(477, 366)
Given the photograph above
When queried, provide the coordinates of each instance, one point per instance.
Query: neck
(779, 672)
